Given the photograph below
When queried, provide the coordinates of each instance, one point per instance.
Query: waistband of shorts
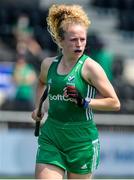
(69, 124)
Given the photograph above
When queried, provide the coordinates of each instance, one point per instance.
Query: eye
(82, 39)
(73, 39)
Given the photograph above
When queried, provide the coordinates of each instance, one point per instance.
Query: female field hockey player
(69, 139)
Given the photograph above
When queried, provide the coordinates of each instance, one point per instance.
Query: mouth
(77, 51)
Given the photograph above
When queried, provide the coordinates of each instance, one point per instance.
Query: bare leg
(79, 176)
(47, 171)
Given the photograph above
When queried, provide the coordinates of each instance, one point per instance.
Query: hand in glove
(73, 93)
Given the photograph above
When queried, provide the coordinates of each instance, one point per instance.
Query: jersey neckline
(64, 75)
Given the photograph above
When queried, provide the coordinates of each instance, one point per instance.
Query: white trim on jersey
(90, 94)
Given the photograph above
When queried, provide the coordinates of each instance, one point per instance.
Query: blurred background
(25, 42)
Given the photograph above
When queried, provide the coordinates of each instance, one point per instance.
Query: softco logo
(59, 97)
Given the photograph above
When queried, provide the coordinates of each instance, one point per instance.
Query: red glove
(73, 93)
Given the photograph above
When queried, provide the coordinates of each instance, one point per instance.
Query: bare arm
(41, 84)
(94, 74)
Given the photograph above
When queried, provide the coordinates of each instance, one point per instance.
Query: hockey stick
(39, 113)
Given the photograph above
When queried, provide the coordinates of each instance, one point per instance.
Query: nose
(78, 43)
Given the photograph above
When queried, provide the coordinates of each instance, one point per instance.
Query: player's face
(74, 41)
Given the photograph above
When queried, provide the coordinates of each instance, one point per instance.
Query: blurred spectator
(25, 79)
(96, 50)
(30, 48)
(22, 26)
(24, 31)
(26, 43)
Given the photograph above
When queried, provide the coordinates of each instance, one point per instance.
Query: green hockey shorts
(72, 146)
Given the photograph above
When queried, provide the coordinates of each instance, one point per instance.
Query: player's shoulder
(91, 63)
(46, 63)
(92, 67)
(48, 60)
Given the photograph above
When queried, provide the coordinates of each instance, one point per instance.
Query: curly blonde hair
(60, 16)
